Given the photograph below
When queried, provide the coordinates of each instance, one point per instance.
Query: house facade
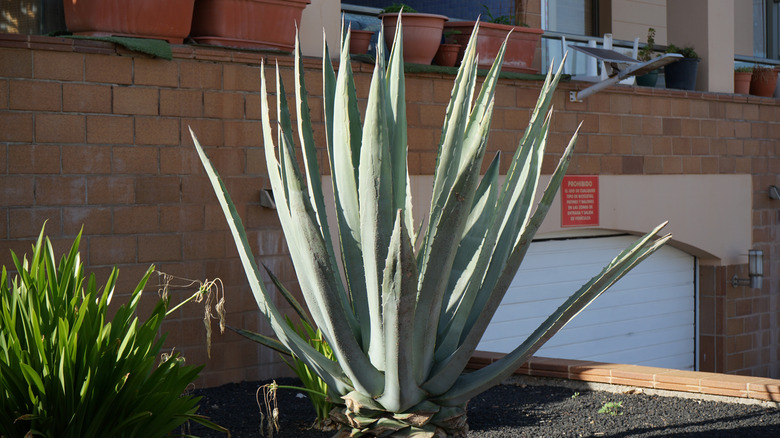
(97, 136)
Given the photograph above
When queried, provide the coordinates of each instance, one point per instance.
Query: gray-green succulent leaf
(404, 316)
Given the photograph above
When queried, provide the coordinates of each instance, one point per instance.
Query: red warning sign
(580, 201)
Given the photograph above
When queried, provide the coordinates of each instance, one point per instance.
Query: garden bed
(527, 406)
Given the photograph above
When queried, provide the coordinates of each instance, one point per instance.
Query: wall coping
(693, 382)
(246, 56)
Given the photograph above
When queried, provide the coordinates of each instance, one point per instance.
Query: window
(766, 29)
(578, 17)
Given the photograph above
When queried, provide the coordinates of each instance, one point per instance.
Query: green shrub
(686, 52)
(66, 370)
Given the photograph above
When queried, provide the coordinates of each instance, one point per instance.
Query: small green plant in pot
(645, 54)
(682, 74)
(411, 307)
(742, 77)
(66, 370)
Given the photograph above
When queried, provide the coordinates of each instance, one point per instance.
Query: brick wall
(94, 135)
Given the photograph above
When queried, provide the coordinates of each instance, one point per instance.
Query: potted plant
(359, 41)
(645, 54)
(257, 24)
(447, 55)
(520, 49)
(422, 32)
(168, 20)
(682, 74)
(763, 81)
(742, 79)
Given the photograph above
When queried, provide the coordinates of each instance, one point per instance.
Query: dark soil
(519, 410)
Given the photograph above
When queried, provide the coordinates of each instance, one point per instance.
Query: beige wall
(632, 18)
(707, 25)
(702, 224)
(743, 27)
(319, 15)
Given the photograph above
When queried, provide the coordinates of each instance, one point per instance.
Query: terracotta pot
(422, 35)
(520, 49)
(777, 89)
(168, 20)
(256, 24)
(359, 41)
(447, 55)
(742, 82)
(765, 87)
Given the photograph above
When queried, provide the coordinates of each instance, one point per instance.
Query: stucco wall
(632, 18)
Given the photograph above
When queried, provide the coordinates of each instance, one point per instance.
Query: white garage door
(646, 318)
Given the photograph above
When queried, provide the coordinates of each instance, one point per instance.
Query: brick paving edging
(696, 382)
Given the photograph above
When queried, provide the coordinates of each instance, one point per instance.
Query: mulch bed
(519, 410)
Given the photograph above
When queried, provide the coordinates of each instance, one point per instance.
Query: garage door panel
(643, 348)
(522, 304)
(646, 317)
(578, 332)
(591, 315)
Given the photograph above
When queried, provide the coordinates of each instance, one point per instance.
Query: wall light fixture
(755, 271)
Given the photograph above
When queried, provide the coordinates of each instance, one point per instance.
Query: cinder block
(35, 95)
(110, 69)
(136, 101)
(60, 190)
(109, 129)
(154, 71)
(86, 98)
(64, 66)
(60, 128)
(33, 159)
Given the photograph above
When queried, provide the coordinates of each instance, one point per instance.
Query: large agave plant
(404, 311)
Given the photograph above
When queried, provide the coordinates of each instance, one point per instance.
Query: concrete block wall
(97, 136)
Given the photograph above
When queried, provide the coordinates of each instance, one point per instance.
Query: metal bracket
(619, 67)
(267, 199)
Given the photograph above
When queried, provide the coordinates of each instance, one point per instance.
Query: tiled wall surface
(94, 135)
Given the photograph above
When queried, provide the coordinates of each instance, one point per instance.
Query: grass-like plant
(314, 387)
(763, 74)
(66, 370)
(410, 308)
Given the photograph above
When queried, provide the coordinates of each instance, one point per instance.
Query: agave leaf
(306, 136)
(376, 202)
(471, 384)
(464, 280)
(329, 95)
(399, 292)
(395, 87)
(287, 336)
(449, 218)
(289, 297)
(517, 197)
(514, 211)
(343, 123)
(448, 368)
(319, 288)
(454, 121)
(262, 339)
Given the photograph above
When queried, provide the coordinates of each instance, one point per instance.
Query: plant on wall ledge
(411, 307)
